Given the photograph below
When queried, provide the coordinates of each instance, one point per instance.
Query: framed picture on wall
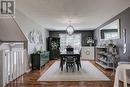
(35, 37)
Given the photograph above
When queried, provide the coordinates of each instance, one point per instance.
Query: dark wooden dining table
(64, 55)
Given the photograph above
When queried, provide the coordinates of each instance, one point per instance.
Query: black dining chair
(78, 61)
(70, 63)
(71, 50)
(62, 62)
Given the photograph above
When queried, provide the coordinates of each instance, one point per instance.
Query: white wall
(9, 30)
(26, 24)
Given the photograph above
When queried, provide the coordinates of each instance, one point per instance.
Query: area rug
(88, 72)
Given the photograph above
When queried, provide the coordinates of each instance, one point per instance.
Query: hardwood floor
(30, 80)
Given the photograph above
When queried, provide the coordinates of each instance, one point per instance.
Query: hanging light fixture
(70, 29)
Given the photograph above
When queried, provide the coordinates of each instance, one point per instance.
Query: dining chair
(70, 63)
(62, 62)
(70, 49)
(78, 60)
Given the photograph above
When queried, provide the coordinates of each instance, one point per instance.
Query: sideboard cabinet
(39, 59)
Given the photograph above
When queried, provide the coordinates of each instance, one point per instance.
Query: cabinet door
(55, 54)
(54, 45)
(35, 59)
(87, 53)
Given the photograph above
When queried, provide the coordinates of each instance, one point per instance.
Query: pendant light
(70, 29)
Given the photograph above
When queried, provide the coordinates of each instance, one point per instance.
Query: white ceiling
(84, 14)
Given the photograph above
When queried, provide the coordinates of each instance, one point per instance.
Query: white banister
(14, 64)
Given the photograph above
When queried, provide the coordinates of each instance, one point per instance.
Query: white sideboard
(87, 53)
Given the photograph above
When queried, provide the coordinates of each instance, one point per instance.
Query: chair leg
(67, 67)
(79, 63)
(61, 65)
(125, 79)
(73, 67)
(78, 66)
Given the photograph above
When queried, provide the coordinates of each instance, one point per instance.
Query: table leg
(116, 82)
(61, 64)
(125, 79)
(61, 68)
(78, 66)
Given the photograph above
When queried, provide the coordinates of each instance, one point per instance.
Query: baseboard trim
(28, 71)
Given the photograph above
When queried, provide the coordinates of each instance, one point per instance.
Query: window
(73, 40)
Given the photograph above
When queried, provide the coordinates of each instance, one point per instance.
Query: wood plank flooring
(30, 80)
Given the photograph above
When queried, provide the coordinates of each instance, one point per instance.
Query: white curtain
(73, 41)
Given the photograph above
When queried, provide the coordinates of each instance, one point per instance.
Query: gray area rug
(88, 72)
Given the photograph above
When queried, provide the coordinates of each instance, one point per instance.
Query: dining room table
(65, 54)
